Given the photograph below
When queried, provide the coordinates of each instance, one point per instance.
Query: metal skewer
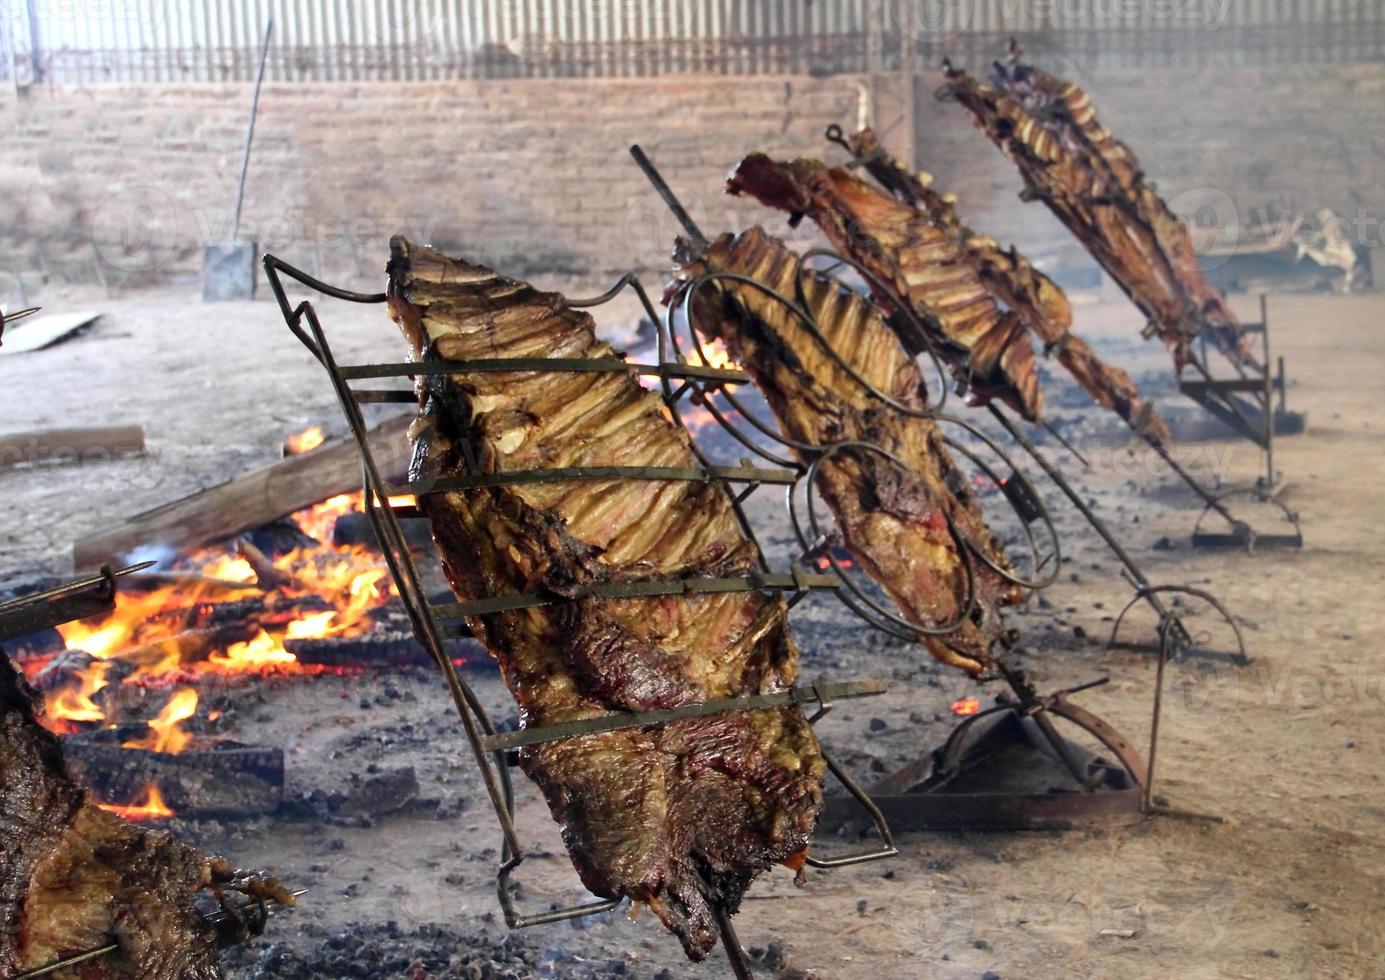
(666, 192)
(85, 597)
(814, 693)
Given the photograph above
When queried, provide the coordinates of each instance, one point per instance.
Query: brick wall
(534, 174)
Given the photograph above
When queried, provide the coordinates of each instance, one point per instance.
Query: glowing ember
(965, 707)
(825, 563)
(153, 807)
(302, 442)
(165, 731)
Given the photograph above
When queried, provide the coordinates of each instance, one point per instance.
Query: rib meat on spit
(680, 817)
(1038, 301)
(74, 877)
(918, 262)
(907, 525)
(1093, 184)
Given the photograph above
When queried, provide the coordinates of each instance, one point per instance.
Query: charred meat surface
(910, 526)
(680, 817)
(74, 877)
(1093, 183)
(919, 264)
(1012, 280)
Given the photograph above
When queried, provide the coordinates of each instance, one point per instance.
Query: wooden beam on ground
(250, 500)
(91, 444)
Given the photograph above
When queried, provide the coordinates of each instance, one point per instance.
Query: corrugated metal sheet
(83, 42)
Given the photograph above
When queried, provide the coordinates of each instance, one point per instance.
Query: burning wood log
(247, 501)
(266, 575)
(209, 777)
(379, 648)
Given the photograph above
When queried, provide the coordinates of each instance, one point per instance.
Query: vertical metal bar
(36, 66)
(735, 952)
(1165, 636)
(907, 71)
(471, 38)
(250, 130)
(874, 34)
(1268, 394)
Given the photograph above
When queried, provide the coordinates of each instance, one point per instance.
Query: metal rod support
(250, 129)
(666, 192)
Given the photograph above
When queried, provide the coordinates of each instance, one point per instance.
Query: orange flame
(154, 632)
(165, 731)
(965, 707)
(152, 807)
(305, 441)
(713, 355)
(74, 702)
(261, 652)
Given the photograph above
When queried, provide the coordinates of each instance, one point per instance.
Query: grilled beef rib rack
(550, 597)
(1094, 185)
(852, 404)
(1037, 300)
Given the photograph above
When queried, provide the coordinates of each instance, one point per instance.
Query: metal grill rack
(1173, 636)
(432, 623)
(815, 542)
(1256, 419)
(1254, 405)
(1019, 490)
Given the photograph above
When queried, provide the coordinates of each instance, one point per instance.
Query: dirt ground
(1287, 750)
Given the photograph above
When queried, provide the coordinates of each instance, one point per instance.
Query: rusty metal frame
(1218, 397)
(491, 749)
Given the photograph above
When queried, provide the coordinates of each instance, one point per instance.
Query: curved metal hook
(1290, 515)
(1170, 622)
(1028, 490)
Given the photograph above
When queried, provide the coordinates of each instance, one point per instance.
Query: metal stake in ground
(228, 268)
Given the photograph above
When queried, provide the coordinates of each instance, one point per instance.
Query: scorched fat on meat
(918, 264)
(1093, 184)
(680, 817)
(74, 877)
(894, 521)
(1038, 301)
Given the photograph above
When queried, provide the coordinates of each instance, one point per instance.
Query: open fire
(221, 612)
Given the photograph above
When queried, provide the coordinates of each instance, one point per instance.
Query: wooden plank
(250, 500)
(70, 445)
